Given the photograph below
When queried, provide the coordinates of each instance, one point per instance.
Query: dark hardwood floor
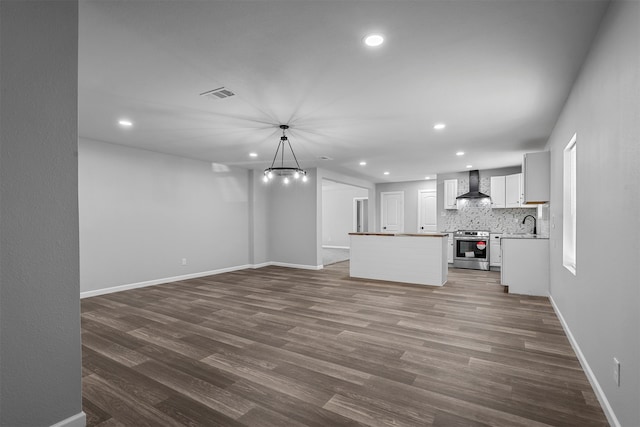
(286, 347)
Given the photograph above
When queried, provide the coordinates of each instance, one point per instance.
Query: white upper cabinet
(512, 190)
(536, 171)
(498, 192)
(450, 193)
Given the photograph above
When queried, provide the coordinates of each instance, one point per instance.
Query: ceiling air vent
(219, 93)
(325, 158)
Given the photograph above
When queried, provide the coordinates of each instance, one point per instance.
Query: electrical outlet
(184, 261)
(616, 371)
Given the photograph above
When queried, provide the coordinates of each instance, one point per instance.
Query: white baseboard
(602, 398)
(336, 247)
(262, 264)
(129, 286)
(78, 420)
(302, 266)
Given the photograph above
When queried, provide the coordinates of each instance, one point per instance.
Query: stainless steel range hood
(474, 187)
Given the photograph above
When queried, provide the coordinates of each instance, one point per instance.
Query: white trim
(77, 420)
(301, 266)
(262, 264)
(119, 288)
(569, 206)
(602, 398)
(354, 223)
(335, 247)
(154, 282)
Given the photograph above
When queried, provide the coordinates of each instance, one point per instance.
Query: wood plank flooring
(286, 347)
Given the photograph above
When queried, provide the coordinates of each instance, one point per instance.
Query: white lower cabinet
(525, 266)
(450, 249)
(495, 256)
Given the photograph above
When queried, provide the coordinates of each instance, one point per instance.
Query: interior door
(392, 218)
(427, 211)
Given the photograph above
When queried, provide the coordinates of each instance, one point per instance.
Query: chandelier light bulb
(270, 175)
(285, 180)
(265, 178)
(304, 178)
(296, 175)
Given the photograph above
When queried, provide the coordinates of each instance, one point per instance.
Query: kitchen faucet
(534, 222)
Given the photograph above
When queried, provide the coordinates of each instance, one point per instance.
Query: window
(569, 206)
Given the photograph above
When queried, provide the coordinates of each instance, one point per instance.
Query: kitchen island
(400, 257)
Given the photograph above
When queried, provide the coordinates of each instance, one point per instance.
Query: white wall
(410, 189)
(337, 213)
(258, 220)
(601, 304)
(142, 212)
(40, 349)
(292, 221)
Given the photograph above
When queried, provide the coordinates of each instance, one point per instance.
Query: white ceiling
(496, 72)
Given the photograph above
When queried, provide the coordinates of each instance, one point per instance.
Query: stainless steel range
(471, 249)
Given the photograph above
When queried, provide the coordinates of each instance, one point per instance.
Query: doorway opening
(345, 209)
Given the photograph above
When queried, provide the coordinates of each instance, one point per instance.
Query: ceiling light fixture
(460, 153)
(469, 166)
(125, 123)
(386, 173)
(439, 126)
(253, 154)
(373, 40)
(282, 170)
(363, 163)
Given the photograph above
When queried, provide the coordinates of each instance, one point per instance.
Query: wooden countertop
(401, 234)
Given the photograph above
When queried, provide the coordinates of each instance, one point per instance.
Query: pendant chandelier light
(283, 171)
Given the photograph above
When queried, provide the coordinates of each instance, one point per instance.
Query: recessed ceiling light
(253, 154)
(469, 166)
(363, 163)
(460, 153)
(386, 173)
(427, 177)
(439, 126)
(125, 123)
(373, 40)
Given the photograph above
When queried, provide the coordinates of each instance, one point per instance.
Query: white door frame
(355, 212)
(419, 218)
(382, 218)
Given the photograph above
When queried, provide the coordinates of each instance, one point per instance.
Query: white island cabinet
(525, 265)
(408, 258)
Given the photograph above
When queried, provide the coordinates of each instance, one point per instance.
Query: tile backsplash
(477, 214)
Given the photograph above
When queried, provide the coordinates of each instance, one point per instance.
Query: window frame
(569, 204)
